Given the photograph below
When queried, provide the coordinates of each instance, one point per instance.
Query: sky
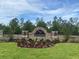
(31, 9)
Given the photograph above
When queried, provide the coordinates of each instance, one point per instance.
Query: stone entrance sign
(41, 33)
(39, 38)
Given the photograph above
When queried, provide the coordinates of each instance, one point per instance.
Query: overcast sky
(31, 9)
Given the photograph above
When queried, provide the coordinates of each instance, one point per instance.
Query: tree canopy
(65, 27)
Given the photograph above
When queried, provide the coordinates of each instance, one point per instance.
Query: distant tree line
(66, 27)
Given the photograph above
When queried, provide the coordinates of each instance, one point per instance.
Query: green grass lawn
(59, 51)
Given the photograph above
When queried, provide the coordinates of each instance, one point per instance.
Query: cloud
(53, 12)
(13, 8)
(5, 20)
(37, 8)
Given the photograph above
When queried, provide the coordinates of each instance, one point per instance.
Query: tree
(2, 26)
(56, 24)
(49, 25)
(21, 22)
(14, 26)
(28, 26)
(67, 29)
(41, 23)
(6, 30)
(74, 22)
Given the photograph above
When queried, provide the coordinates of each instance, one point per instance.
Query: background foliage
(65, 27)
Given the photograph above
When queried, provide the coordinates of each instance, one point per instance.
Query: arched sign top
(39, 31)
